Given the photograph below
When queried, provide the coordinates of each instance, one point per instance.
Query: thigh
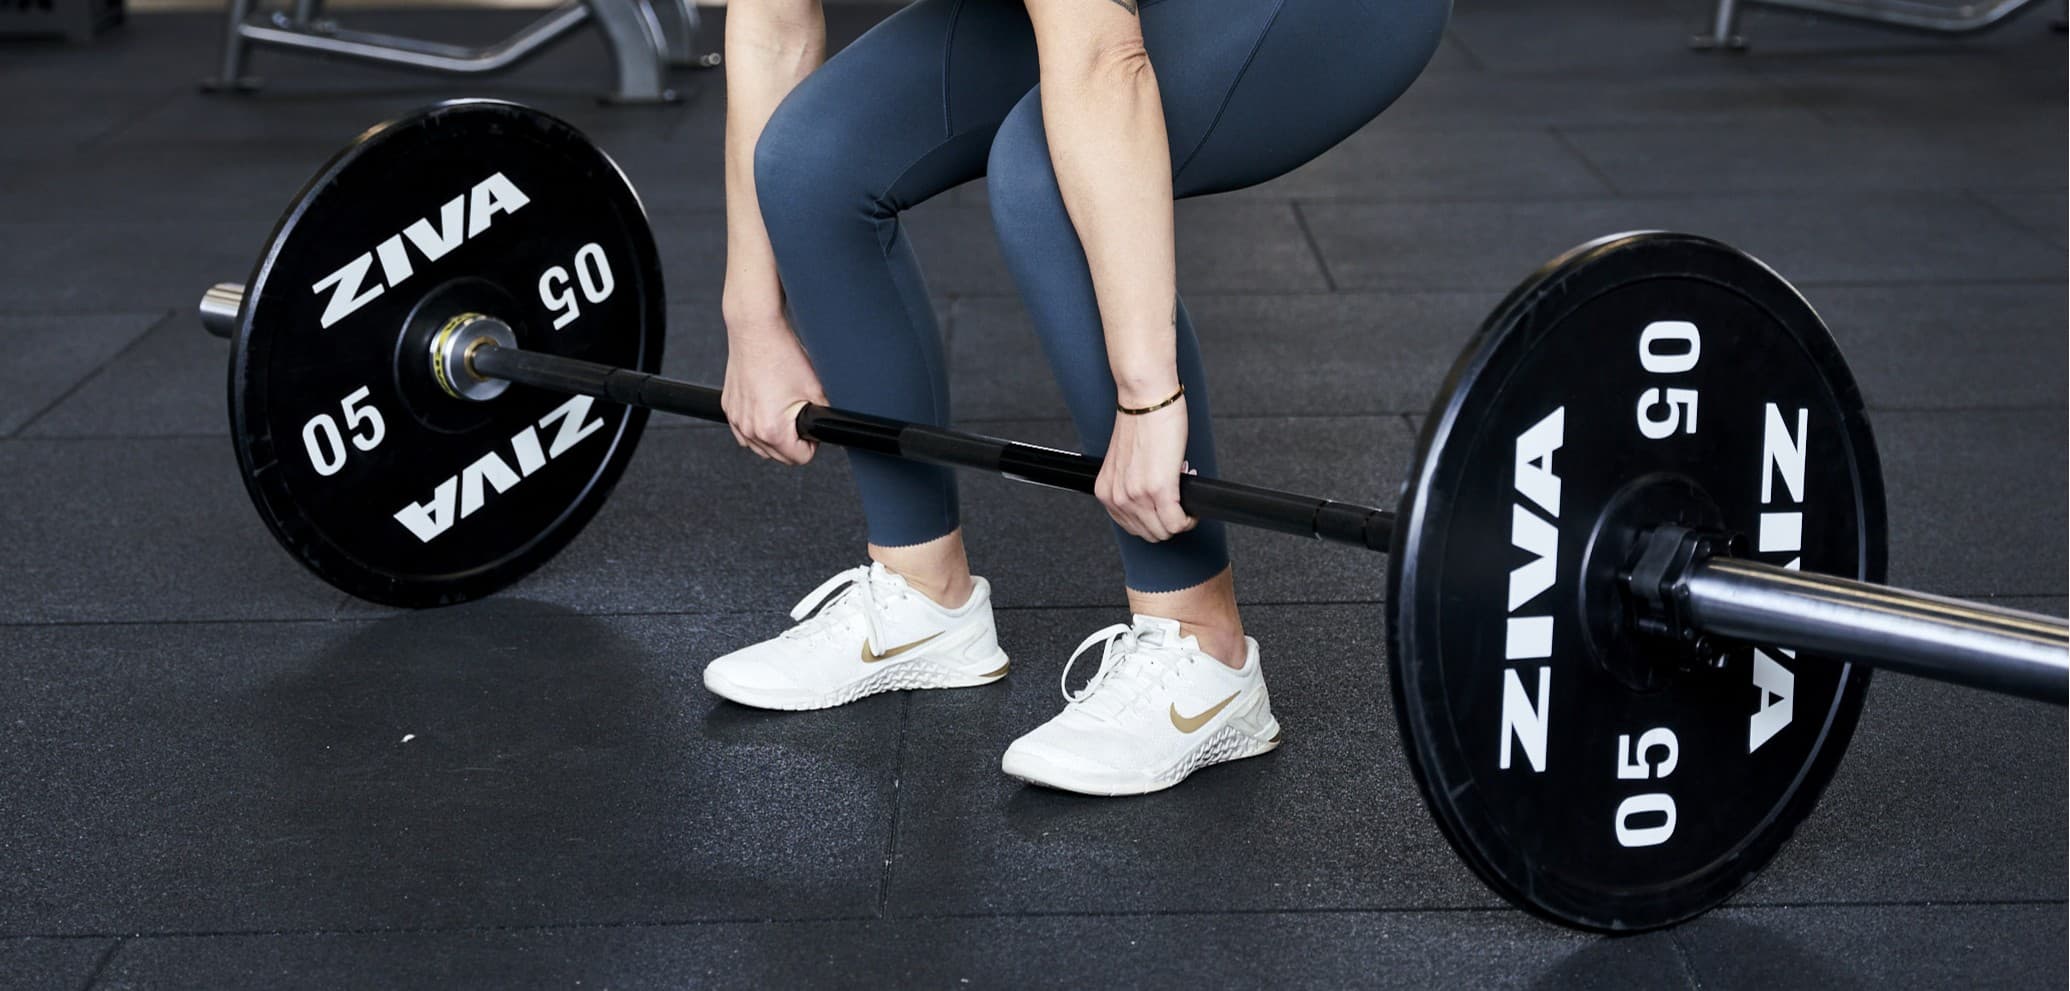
(908, 109)
(1253, 90)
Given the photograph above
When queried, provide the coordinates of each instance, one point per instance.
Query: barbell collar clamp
(1656, 581)
(453, 352)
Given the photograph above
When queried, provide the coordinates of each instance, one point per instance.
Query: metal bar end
(219, 308)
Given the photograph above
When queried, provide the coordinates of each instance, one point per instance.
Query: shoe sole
(896, 676)
(1223, 745)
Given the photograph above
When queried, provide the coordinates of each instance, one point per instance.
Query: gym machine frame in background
(1910, 15)
(645, 40)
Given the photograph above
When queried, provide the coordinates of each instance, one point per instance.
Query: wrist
(1136, 391)
(748, 310)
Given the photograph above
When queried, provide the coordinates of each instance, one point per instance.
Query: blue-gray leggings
(943, 92)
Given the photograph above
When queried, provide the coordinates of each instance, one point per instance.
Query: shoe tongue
(1159, 632)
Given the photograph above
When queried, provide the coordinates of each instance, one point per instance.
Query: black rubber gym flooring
(215, 772)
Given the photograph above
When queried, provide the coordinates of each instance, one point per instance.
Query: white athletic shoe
(1156, 711)
(871, 633)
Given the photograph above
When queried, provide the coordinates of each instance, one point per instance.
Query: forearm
(770, 46)
(1105, 123)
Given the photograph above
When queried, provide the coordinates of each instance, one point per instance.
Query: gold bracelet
(1151, 409)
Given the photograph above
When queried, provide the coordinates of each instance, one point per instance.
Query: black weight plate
(466, 206)
(1495, 659)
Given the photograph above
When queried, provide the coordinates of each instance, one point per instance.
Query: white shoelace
(853, 586)
(1130, 668)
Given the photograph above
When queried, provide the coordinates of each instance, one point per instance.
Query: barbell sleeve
(1206, 498)
(2002, 650)
(219, 308)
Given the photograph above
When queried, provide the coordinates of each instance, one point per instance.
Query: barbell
(1631, 589)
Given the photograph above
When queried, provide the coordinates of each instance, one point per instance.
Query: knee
(1020, 183)
(804, 166)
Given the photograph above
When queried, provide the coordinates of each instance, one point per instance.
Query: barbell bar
(486, 361)
(1634, 575)
(1999, 649)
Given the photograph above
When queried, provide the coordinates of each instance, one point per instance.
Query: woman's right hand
(768, 377)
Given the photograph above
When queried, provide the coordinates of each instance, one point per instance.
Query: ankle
(949, 593)
(938, 569)
(949, 590)
(1206, 612)
(1223, 644)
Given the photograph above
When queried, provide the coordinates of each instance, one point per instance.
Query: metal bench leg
(680, 25)
(634, 37)
(1724, 34)
(230, 76)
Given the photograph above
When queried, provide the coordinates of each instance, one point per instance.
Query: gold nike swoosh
(871, 657)
(1191, 724)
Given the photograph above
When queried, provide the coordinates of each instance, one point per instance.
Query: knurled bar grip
(1206, 498)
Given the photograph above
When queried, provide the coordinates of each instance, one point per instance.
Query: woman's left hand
(1139, 480)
